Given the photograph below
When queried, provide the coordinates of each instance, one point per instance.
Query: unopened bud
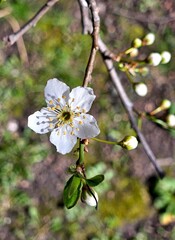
(149, 39)
(144, 71)
(136, 43)
(165, 104)
(129, 142)
(140, 89)
(90, 197)
(134, 52)
(166, 57)
(170, 120)
(154, 59)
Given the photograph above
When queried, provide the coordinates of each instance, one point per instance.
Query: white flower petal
(38, 122)
(83, 98)
(57, 91)
(63, 139)
(85, 126)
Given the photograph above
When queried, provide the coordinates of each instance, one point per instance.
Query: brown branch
(128, 105)
(96, 27)
(11, 39)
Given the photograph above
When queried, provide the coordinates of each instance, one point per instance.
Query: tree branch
(128, 105)
(95, 34)
(11, 39)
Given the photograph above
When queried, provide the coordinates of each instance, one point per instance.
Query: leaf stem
(104, 141)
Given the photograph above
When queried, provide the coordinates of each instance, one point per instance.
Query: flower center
(66, 116)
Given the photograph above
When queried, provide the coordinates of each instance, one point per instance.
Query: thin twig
(11, 39)
(128, 105)
(87, 27)
(96, 27)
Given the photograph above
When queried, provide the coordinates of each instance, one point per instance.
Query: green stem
(104, 141)
(81, 153)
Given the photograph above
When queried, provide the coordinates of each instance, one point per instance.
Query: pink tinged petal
(38, 122)
(63, 139)
(56, 92)
(85, 126)
(81, 99)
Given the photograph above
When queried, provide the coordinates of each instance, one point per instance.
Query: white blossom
(65, 115)
(141, 89)
(170, 119)
(154, 59)
(166, 57)
(149, 39)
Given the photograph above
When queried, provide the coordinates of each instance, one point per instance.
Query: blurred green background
(133, 204)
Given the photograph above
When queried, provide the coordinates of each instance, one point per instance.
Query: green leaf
(72, 191)
(92, 182)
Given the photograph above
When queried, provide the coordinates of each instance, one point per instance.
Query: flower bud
(166, 57)
(165, 104)
(170, 120)
(144, 71)
(136, 43)
(140, 89)
(134, 52)
(149, 39)
(154, 59)
(129, 142)
(90, 197)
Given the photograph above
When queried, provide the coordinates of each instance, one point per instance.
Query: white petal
(83, 98)
(63, 139)
(55, 90)
(38, 122)
(85, 126)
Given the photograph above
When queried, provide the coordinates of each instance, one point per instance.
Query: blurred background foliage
(133, 203)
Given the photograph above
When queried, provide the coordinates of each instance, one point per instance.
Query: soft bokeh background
(133, 204)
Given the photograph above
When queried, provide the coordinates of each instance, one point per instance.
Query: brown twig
(11, 39)
(96, 27)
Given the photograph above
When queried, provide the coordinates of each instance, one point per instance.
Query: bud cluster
(128, 62)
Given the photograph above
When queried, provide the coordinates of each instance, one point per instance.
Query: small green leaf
(72, 191)
(92, 182)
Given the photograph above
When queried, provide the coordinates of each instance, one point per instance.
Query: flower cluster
(65, 115)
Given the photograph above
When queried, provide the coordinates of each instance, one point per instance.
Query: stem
(104, 141)
(128, 105)
(81, 153)
(11, 39)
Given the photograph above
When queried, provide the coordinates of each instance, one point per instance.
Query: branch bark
(95, 35)
(11, 39)
(128, 105)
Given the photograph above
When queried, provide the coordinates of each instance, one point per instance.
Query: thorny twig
(11, 39)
